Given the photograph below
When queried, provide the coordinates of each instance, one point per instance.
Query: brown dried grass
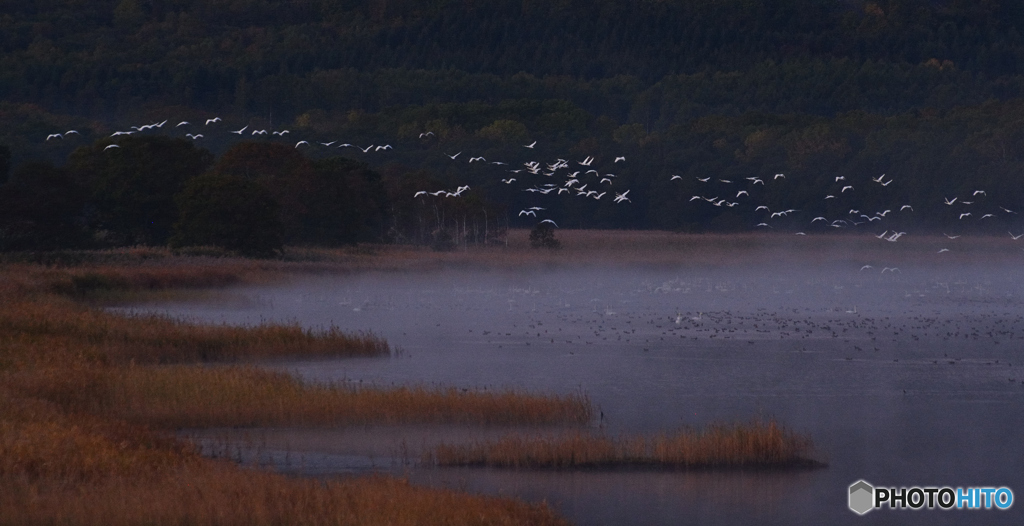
(224, 495)
(757, 444)
(81, 390)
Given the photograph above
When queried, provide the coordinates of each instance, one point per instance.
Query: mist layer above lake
(908, 377)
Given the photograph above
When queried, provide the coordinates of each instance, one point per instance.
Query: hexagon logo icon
(862, 496)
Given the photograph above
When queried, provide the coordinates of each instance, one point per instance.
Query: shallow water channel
(905, 378)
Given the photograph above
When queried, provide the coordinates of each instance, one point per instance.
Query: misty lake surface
(913, 377)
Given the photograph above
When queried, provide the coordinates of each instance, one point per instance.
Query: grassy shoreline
(89, 400)
(763, 445)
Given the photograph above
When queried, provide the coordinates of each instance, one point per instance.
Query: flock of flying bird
(580, 179)
(854, 217)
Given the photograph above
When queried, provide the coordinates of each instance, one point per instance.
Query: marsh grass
(757, 444)
(213, 494)
(170, 397)
(88, 399)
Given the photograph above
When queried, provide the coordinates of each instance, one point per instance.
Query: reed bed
(55, 326)
(757, 444)
(87, 397)
(59, 467)
(219, 495)
(171, 397)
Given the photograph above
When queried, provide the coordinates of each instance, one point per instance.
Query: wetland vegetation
(92, 398)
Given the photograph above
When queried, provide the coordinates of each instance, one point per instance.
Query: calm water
(907, 378)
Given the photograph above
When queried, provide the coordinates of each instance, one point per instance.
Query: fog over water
(913, 377)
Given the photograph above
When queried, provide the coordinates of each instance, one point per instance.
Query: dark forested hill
(104, 57)
(930, 90)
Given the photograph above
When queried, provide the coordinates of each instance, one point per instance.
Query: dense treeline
(608, 57)
(927, 91)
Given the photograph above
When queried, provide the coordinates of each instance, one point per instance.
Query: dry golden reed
(188, 396)
(82, 390)
(757, 444)
(212, 494)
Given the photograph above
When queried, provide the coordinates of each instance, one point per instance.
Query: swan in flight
(979, 192)
(426, 134)
(365, 149)
(742, 192)
(756, 181)
(472, 159)
(182, 123)
(587, 161)
(239, 132)
(704, 180)
(865, 267)
(194, 137)
(621, 197)
(965, 214)
(778, 176)
(845, 188)
(109, 146)
(510, 180)
(941, 250)
(454, 156)
(617, 159)
(259, 132)
(115, 134)
(417, 194)
(300, 143)
(950, 237)
(760, 207)
(840, 178)
(384, 147)
(819, 218)
(950, 202)
(531, 145)
(54, 136)
(215, 119)
(1007, 210)
(904, 207)
(878, 179)
(281, 133)
(549, 221)
(527, 213)
(1015, 237)
(674, 177)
